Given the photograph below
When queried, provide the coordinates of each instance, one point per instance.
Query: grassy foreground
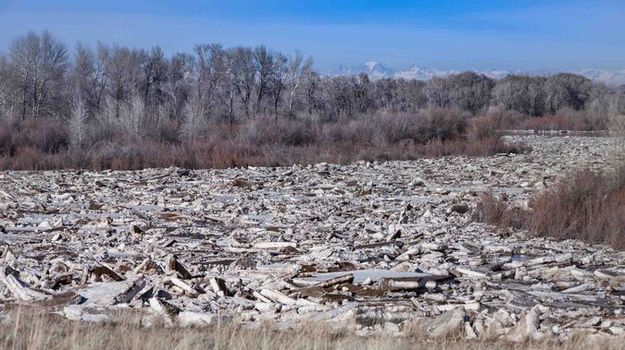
(29, 330)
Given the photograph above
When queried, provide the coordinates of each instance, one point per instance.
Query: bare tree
(363, 94)
(194, 118)
(41, 62)
(471, 91)
(123, 69)
(339, 99)
(521, 93)
(243, 73)
(112, 90)
(78, 122)
(88, 78)
(297, 70)
(385, 92)
(99, 79)
(311, 87)
(275, 81)
(567, 90)
(7, 97)
(178, 84)
(132, 115)
(615, 111)
(264, 61)
(212, 69)
(154, 73)
(438, 92)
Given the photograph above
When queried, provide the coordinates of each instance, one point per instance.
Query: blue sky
(461, 34)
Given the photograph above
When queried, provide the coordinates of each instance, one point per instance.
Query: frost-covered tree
(298, 69)
(39, 63)
(78, 122)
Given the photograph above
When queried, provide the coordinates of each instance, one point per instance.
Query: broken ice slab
(374, 275)
(103, 293)
(314, 240)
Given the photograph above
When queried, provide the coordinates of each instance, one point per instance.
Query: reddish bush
(546, 123)
(48, 135)
(498, 212)
(565, 119)
(43, 143)
(7, 130)
(354, 132)
(264, 130)
(585, 205)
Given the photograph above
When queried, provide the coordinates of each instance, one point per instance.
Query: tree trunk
(24, 93)
(291, 105)
(231, 107)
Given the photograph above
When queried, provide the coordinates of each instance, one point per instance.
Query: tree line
(103, 101)
(40, 77)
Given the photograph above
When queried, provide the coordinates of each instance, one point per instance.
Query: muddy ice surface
(371, 246)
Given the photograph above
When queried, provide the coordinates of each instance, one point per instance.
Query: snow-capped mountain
(376, 70)
(496, 74)
(613, 78)
(422, 73)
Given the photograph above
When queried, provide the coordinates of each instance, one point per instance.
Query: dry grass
(30, 330)
(565, 119)
(497, 211)
(204, 154)
(586, 205)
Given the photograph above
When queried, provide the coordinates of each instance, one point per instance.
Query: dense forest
(118, 107)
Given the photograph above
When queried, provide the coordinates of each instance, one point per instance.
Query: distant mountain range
(376, 70)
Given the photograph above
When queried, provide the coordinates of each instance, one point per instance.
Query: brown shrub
(352, 132)
(497, 211)
(265, 130)
(6, 138)
(421, 127)
(400, 127)
(43, 144)
(496, 118)
(48, 135)
(586, 205)
(483, 127)
(443, 124)
(547, 123)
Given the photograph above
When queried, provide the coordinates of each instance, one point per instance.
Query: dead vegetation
(498, 212)
(260, 141)
(115, 107)
(34, 329)
(566, 119)
(585, 205)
